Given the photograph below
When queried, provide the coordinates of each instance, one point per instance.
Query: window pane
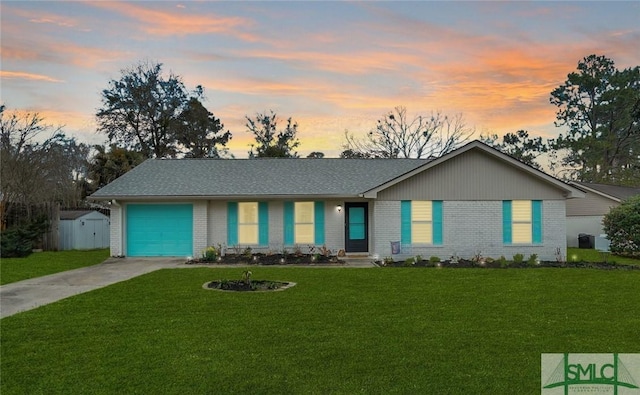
(421, 232)
(521, 233)
(356, 231)
(304, 212)
(304, 234)
(421, 211)
(248, 213)
(521, 210)
(248, 234)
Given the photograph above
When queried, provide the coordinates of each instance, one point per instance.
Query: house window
(303, 225)
(248, 223)
(522, 221)
(421, 222)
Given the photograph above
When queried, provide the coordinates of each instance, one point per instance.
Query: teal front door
(159, 230)
(356, 227)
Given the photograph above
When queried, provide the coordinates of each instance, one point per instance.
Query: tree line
(148, 113)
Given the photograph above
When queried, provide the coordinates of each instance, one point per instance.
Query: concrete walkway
(29, 294)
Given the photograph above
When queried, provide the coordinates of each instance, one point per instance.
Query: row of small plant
(476, 260)
(246, 254)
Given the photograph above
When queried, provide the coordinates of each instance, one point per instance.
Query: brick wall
(200, 227)
(216, 227)
(115, 231)
(471, 227)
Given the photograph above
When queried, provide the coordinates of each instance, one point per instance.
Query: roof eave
(224, 197)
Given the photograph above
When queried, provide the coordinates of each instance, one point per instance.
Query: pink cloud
(4, 74)
(179, 23)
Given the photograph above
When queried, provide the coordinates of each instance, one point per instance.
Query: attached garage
(159, 229)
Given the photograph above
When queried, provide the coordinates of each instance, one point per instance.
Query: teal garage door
(159, 230)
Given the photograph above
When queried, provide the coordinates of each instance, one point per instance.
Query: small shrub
(518, 259)
(15, 244)
(223, 284)
(503, 261)
(18, 242)
(418, 258)
(210, 254)
(388, 261)
(325, 251)
(558, 255)
(236, 249)
(409, 261)
(533, 260)
(489, 260)
(622, 226)
(434, 259)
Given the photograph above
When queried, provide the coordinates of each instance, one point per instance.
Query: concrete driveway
(29, 294)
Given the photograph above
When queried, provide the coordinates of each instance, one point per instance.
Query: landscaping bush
(14, 243)
(622, 226)
(17, 242)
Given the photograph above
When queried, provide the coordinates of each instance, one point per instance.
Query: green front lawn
(591, 255)
(42, 263)
(339, 330)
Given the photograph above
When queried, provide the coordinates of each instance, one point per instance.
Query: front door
(356, 227)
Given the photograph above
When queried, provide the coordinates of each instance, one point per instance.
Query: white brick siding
(468, 227)
(217, 226)
(116, 230)
(216, 223)
(333, 226)
(200, 227)
(471, 227)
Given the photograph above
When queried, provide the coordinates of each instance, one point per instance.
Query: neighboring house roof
(614, 192)
(255, 177)
(278, 177)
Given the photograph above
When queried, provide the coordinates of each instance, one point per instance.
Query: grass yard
(339, 330)
(42, 263)
(591, 255)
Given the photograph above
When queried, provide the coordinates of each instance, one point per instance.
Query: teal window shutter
(507, 232)
(232, 223)
(536, 221)
(318, 222)
(436, 215)
(405, 222)
(263, 223)
(288, 223)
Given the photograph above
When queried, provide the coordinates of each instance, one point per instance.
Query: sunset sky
(331, 66)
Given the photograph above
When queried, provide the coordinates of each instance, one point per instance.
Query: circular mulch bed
(252, 286)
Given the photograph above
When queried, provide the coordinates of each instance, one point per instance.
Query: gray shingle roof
(255, 177)
(73, 214)
(611, 190)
